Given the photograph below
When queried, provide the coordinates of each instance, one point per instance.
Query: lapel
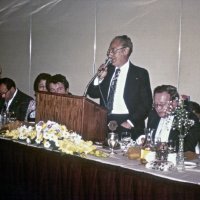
(2, 101)
(131, 82)
(15, 101)
(173, 135)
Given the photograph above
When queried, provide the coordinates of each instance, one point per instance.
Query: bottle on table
(147, 149)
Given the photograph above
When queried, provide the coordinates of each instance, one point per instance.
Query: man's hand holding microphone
(102, 71)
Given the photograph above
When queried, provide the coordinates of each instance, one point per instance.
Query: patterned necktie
(112, 91)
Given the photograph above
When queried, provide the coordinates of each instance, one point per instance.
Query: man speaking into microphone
(123, 88)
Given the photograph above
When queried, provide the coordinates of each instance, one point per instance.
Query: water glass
(125, 139)
(162, 151)
(112, 141)
(4, 118)
(11, 116)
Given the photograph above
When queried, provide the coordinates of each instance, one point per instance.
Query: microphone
(107, 62)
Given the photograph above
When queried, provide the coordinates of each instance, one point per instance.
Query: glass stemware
(112, 141)
(125, 139)
(4, 118)
(171, 146)
(11, 117)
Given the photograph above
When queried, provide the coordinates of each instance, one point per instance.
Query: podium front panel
(79, 114)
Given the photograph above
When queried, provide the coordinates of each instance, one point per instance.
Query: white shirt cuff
(97, 81)
(130, 122)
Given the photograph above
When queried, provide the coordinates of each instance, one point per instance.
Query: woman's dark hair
(193, 106)
(42, 76)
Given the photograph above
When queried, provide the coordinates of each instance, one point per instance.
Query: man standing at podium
(123, 88)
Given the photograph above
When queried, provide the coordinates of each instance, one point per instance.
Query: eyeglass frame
(161, 105)
(4, 93)
(114, 51)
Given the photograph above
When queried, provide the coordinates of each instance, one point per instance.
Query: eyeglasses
(4, 93)
(114, 51)
(160, 105)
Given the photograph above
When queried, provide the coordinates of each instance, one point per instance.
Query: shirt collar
(10, 101)
(124, 67)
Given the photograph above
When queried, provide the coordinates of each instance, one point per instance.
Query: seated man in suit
(58, 84)
(12, 99)
(161, 118)
(123, 88)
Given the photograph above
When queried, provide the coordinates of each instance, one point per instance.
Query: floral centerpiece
(182, 123)
(54, 135)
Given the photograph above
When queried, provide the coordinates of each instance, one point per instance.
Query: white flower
(181, 121)
(38, 140)
(47, 144)
(46, 135)
(56, 143)
(28, 140)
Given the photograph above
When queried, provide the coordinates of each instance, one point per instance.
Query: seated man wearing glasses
(161, 118)
(12, 99)
(58, 84)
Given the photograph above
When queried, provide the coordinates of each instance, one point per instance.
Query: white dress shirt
(119, 106)
(164, 127)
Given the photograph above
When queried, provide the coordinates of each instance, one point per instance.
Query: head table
(32, 172)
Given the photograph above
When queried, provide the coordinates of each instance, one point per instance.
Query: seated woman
(39, 85)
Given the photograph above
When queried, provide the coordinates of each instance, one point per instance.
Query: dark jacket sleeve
(192, 138)
(141, 103)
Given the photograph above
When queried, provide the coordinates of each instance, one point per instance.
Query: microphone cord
(86, 89)
(101, 94)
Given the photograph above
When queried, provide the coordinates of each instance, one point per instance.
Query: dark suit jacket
(19, 105)
(137, 93)
(191, 139)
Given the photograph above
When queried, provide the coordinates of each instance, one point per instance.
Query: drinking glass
(125, 139)
(162, 151)
(112, 141)
(11, 117)
(171, 146)
(4, 118)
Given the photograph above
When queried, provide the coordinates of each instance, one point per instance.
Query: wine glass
(171, 146)
(11, 117)
(125, 139)
(112, 141)
(4, 117)
(162, 151)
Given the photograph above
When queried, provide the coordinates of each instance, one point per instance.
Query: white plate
(190, 165)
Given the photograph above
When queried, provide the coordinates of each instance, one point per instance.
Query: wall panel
(72, 36)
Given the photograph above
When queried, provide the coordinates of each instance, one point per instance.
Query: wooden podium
(78, 113)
